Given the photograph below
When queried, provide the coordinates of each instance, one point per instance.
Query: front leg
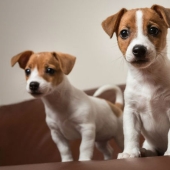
(131, 128)
(63, 145)
(168, 149)
(88, 132)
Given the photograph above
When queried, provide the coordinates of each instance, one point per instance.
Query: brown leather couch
(25, 139)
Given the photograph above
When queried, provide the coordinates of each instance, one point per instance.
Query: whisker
(118, 58)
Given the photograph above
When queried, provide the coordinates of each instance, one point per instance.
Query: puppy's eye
(153, 31)
(27, 72)
(50, 71)
(124, 34)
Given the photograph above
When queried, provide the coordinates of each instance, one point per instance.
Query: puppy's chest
(150, 100)
(64, 124)
(152, 106)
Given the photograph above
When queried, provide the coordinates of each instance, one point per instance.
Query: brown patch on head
(157, 16)
(127, 22)
(116, 108)
(50, 65)
(161, 24)
(150, 19)
(44, 62)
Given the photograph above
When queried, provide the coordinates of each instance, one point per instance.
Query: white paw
(67, 160)
(129, 155)
(84, 159)
(167, 153)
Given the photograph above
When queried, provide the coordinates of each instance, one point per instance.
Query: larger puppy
(141, 35)
(70, 113)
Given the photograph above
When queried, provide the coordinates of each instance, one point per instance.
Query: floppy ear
(164, 13)
(21, 58)
(66, 61)
(110, 24)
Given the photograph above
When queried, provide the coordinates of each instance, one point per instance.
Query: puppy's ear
(21, 58)
(164, 13)
(110, 24)
(66, 61)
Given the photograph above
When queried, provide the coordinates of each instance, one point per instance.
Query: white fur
(147, 102)
(71, 114)
(140, 39)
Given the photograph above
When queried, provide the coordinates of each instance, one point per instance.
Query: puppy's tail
(119, 95)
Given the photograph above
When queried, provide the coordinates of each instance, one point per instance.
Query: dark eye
(27, 72)
(124, 34)
(50, 71)
(153, 31)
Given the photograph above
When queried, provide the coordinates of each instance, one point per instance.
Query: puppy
(70, 113)
(141, 35)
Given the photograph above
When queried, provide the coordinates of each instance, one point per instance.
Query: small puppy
(141, 35)
(70, 113)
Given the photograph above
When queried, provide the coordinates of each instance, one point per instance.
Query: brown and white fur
(141, 35)
(70, 113)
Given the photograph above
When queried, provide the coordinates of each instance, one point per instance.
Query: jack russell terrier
(70, 113)
(141, 35)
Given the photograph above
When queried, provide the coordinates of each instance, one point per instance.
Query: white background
(71, 26)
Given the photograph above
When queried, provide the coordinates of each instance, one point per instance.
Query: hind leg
(105, 148)
(120, 141)
(148, 150)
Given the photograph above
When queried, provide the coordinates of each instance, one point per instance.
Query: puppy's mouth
(140, 61)
(39, 93)
(36, 93)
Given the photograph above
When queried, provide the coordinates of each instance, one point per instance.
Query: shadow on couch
(25, 137)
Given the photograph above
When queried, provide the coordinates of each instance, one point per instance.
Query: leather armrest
(152, 163)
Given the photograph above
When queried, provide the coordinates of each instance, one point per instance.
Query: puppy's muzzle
(34, 86)
(139, 51)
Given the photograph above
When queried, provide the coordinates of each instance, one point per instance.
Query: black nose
(34, 86)
(139, 51)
